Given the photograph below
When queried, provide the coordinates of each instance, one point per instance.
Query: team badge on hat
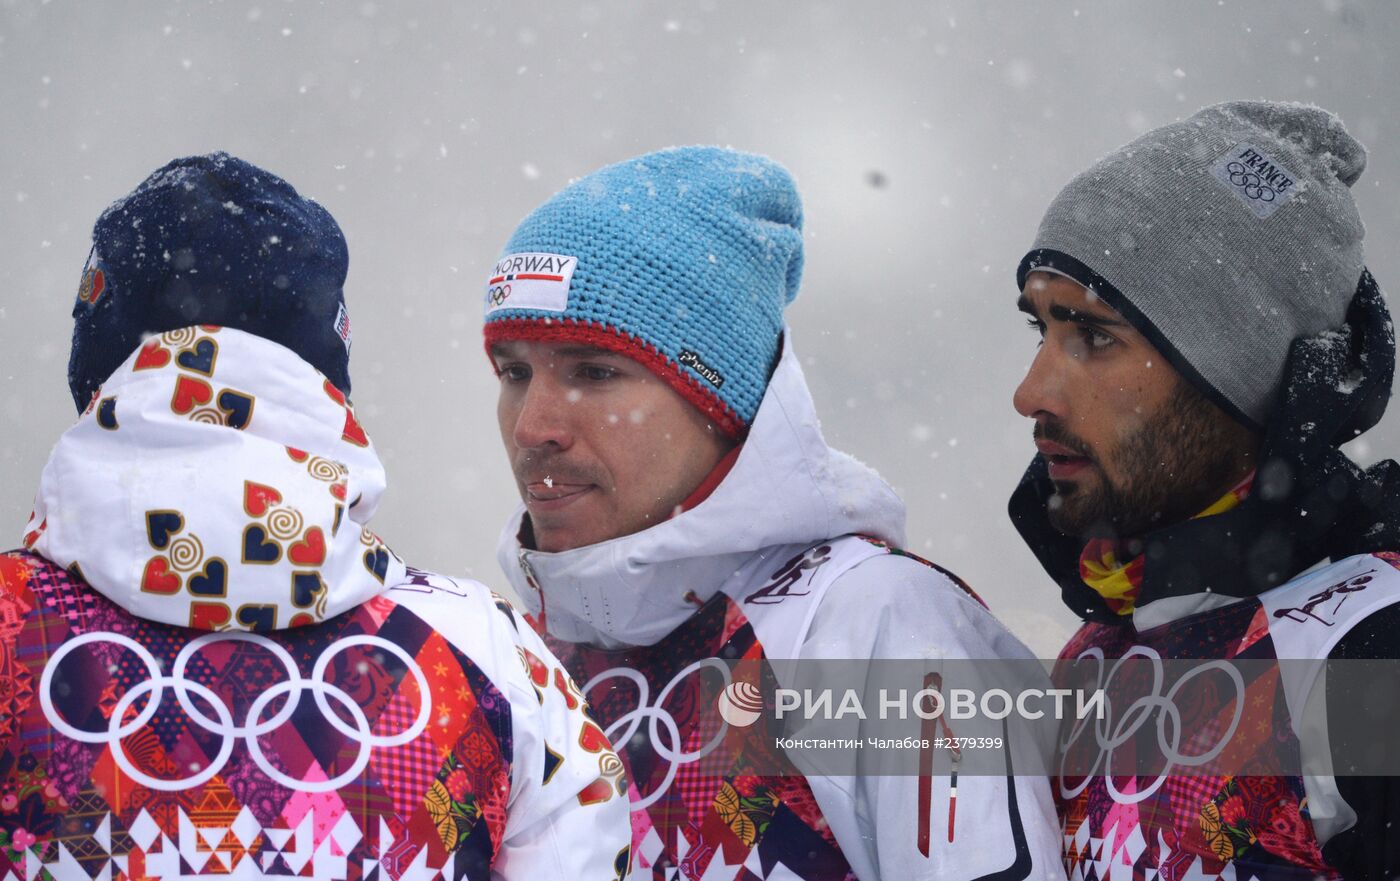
(94, 283)
(530, 281)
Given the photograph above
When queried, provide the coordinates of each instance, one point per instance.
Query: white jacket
(217, 494)
(789, 492)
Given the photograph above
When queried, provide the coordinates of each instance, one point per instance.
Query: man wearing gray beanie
(1210, 337)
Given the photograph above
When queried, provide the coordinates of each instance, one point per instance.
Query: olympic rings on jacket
(360, 730)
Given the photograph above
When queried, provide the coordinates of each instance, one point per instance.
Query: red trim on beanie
(614, 340)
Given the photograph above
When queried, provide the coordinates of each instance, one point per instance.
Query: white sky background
(429, 130)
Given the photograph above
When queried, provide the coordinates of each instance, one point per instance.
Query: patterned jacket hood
(786, 487)
(215, 481)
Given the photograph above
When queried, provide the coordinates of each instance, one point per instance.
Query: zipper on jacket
(524, 557)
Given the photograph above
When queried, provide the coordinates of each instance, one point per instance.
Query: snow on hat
(1221, 238)
(682, 260)
(211, 240)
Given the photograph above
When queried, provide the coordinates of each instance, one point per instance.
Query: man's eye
(596, 372)
(514, 373)
(1095, 338)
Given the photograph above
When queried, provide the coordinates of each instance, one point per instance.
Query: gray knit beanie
(1221, 238)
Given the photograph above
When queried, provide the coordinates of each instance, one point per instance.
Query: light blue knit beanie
(682, 260)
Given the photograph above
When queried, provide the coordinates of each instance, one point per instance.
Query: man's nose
(1040, 396)
(545, 417)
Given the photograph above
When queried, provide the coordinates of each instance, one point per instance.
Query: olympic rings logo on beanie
(1261, 181)
(531, 281)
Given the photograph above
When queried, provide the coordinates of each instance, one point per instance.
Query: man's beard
(1179, 461)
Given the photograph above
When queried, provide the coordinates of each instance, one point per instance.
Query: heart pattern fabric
(232, 461)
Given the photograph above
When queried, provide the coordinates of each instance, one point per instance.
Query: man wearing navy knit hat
(681, 506)
(1209, 338)
(203, 633)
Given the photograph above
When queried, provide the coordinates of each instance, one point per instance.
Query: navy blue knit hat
(211, 240)
(683, 260)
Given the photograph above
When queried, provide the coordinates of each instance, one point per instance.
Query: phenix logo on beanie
(682, 260)
(211, 240)
(1222, 238)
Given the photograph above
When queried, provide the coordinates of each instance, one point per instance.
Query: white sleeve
(568, 813)
(897, 828)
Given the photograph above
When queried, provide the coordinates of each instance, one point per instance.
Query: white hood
(787, 487)
(217, 481)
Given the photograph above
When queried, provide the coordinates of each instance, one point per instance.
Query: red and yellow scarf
(1117, 581)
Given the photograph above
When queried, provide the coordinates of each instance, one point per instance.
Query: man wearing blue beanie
(681, 507)
(210, 664)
